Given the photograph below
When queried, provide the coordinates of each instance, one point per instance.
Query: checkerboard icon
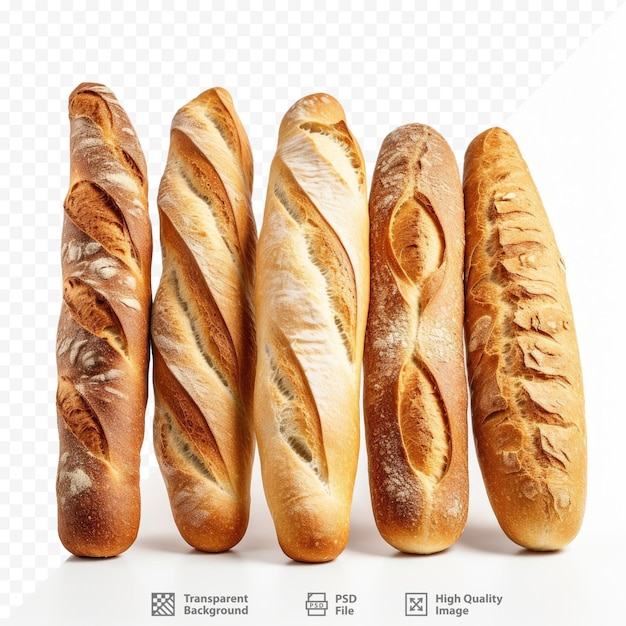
(163, 604)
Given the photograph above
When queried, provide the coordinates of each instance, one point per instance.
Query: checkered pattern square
(163, 604)
(459, 67)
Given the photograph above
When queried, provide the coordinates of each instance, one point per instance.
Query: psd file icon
(316, 604)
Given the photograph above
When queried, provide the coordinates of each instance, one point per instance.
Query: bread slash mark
(184, 430)
(423, 420)
(81, 419)
(327, 254)
(104, 221)
(93, 106)
(298, 417)
(91, 310)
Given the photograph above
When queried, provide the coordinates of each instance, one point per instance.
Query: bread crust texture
(415, 393)
(524, 367)
(102, 345)
(311, 300)
(203, 324)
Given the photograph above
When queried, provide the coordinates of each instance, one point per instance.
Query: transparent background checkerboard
(458, 66)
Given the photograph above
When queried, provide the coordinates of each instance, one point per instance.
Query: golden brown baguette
(203, 324)
(524, 367)
(311, 300)
(415, 394)
(102, 341)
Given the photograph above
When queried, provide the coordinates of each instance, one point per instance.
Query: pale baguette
(311, 301)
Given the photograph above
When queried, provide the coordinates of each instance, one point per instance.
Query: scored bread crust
(415, 394)
(311, 301)
(523, 361)
(203, 324)
(102, 338)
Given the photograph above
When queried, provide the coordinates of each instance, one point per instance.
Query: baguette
(523, 362)
(415, 392)
(311, 299)
(203, 324)
(102, 340)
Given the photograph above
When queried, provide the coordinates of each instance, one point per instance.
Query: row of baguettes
(267, 338)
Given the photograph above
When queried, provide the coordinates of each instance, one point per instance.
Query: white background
(553, 78)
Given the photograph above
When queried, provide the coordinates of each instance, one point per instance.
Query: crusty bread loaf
(523, 363)
(203, 324)
(311, 301)
(102, 341)
(415, 393)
